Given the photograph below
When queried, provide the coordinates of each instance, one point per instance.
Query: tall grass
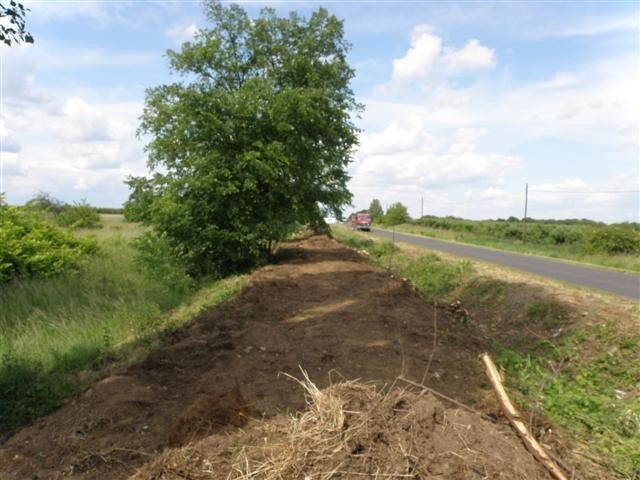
(55, 331)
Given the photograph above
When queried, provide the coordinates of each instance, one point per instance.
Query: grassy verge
(433, 276)
(581, 373)
(628, 262)
(57, 333)
(587, 383)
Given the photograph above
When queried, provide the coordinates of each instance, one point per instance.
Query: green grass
(55, 332)
(588, 383)
(433, 276)
(626, 262)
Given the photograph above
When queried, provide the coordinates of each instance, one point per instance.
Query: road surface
(619, 283)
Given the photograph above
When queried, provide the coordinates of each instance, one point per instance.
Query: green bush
(382, 249)
(45, 202)
(79, 215)
(157, 258)
(434, 276)
(563, 235)
(29, 246)
(613, 240)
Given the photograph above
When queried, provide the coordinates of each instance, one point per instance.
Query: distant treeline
(118, 211)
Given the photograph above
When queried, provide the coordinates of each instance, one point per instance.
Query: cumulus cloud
(408, 156)
(473, 56)
(81, 122)
(419, 59)
(85, 145)
(427, 57)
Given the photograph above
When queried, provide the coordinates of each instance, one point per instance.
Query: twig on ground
(440, 395)
(514, 418)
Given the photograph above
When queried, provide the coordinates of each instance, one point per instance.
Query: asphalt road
(619, 283)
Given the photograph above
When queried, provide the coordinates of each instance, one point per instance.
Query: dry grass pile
(353, 430)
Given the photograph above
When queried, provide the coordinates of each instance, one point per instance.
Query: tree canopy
(375, 209)
(255, 138)
(12, 23)
(396, 214)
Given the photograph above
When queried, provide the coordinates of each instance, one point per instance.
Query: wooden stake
(514, 418)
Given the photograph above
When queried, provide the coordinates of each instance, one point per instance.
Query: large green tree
(255, 138)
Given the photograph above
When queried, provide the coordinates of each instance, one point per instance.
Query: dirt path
(321, 307)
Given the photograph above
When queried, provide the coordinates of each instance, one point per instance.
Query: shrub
(158, 259)
(513, 232)
(30, 246)
(613, 240)
(79, 215)
(45, 202)
(382, 249)
(434, 276)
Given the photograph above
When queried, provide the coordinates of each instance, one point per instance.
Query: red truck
(361, 221)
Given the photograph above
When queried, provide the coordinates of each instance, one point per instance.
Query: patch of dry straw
(314, 438)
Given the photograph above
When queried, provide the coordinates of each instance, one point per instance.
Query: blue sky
(465, 102)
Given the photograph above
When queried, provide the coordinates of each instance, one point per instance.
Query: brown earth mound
(351, 430)
(321, 307)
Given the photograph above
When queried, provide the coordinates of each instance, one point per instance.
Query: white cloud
(419, 59)
(81, 122)
(427, 59)
(473, 56)
(67, 142)
(407, 156)
(181, 32)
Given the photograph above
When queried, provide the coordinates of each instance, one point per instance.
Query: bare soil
(352, 430)
(320, 307)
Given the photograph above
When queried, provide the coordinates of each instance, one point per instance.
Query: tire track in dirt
(321, 306)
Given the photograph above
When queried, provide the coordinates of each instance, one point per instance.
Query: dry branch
(514, 418)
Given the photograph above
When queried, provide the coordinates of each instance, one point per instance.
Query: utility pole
(421, 207)
(526, 201)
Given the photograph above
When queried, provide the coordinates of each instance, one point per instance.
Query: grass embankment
(567, 251)
(59, 334)
(580, 372)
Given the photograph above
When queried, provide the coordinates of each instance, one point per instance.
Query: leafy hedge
(78, 215)
(613, 241)
(586, 236)
(29, 246)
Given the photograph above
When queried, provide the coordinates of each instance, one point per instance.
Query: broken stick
(514, 418)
